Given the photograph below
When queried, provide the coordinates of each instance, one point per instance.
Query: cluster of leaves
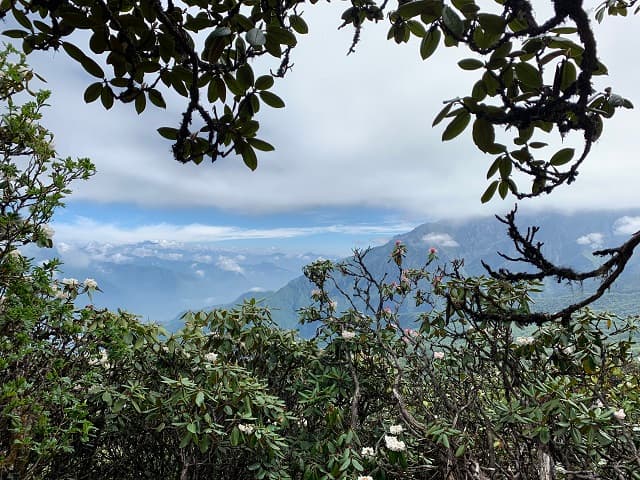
(201, 50)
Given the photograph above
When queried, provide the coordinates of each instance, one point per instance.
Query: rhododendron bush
(456, 392)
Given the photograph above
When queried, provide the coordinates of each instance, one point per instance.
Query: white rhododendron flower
(70, 282)
(90, 283)
(244, 428)
(348, 334)
(61, 295)
(524, 340)
(14, 253)
(365, 477)
(333, 304)
(619, 414)
(367, 452)
(211, 357)
(47, 231)
(438, 355)
(396, 429)
(394, 444)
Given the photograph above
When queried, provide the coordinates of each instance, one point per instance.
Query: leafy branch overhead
(535, 75)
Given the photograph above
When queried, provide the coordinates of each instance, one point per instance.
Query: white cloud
(440, 240)
(85, 230)
(229, 264)
(363, 139)
(593, 240)
(626, 225)
(199, 273)
(257, 289)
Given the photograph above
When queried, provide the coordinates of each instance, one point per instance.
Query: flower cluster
(90, 284)
(525, 340)
(47, 231)
(619, 414)
(396, 429)
(367, 452)
(211, 357)
(247, 429)
(394, 444)
(365, 477)
(348, 334)
(438, 355)
(70, 282)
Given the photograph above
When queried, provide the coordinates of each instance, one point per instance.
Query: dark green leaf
(271, 99)
(421, 7)
(442, 114)
(245, 76)
(457, 126)
(264, 82)
(155, 97)
(452, 21)
(528, 75)
(168, 133)
(282, 36)
(92, 67)
(106, 97)
(569, 75)
(470, 64)
(92, 93)
(298, 24)
(260, 144)
(15, 33)
(484, 134)
(249, 157)
(489, 192)
(430, 43)
(562, 156)
(140, 103)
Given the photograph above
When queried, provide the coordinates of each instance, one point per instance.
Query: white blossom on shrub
(70, 282)
(619, 414)
(47, 231)
(394, 444)
(367, 452)
(90, 283)
(395, 429)
(525, 340)
(244, 428)
(348, 334)
(365, 477)
(438, 355)
(211, 357)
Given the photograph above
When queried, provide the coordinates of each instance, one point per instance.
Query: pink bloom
(398, 243)
(438, 355)
(433, 251)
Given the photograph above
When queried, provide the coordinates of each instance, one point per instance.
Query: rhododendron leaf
(457, 125)
(562, 156)
(488, 193)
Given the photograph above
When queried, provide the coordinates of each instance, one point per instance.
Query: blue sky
(356, 162)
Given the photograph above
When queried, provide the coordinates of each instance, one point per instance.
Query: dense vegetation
(87, 393)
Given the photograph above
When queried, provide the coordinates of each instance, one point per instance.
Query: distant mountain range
(158, 280)
(569, 240)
